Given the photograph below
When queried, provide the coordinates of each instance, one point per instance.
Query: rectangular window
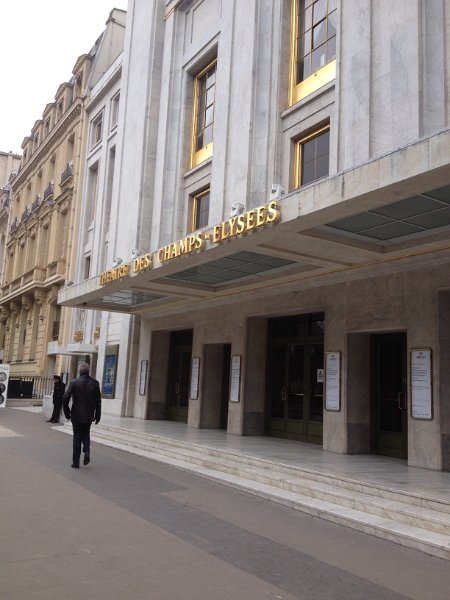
(200, 210)
(62, 234)
(59, 110)
(92, 194)
(87, 267)
(312, 157)
(96, 130)
(115, 110)
(31, 252)
(203, 114)
(314, 26)
(43, 253)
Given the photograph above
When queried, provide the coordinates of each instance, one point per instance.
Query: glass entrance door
(295, 382)
(179, 376)
(389, 403)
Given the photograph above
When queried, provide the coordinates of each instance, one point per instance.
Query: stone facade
(42, 251)
(354, 158)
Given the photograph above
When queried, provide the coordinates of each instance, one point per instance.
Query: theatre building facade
(281, 254)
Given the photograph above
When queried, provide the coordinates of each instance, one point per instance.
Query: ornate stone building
(9, 163)
(282, 217)
(42, 250)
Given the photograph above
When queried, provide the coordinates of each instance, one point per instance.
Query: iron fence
(30, 387)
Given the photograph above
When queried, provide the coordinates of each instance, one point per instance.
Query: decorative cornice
(44, 149)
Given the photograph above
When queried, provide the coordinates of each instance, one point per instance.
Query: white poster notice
(333, 381)
(235, 378)
(421, 397)
(4, 378)
(195, 374)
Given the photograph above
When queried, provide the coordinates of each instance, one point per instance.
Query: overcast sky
(40, 41)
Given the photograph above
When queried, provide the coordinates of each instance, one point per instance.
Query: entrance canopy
(393, 212)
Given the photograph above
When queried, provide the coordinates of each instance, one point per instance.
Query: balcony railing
(36, 274)
(36, 203)
(14, 226)
(48, 194)
(67, 173)
(6, 196)
(24, 216)
(56, 268)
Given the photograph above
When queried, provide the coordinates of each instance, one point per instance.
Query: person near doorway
(86, 407)
(58, 392)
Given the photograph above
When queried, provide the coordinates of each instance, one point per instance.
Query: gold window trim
(298, 91)
(297, 174)
(206, 152)
(195, 200)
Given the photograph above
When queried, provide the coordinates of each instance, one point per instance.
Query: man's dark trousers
(81, 435)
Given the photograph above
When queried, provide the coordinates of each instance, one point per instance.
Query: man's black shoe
(50, 421)
(87, 458)
(74, 466)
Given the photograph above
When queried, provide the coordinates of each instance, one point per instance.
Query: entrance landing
(387, 472)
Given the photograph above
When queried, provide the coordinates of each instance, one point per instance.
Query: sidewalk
(377, 495)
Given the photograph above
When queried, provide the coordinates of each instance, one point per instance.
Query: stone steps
(401, 517)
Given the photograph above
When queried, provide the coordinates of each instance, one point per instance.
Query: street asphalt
(125, 527)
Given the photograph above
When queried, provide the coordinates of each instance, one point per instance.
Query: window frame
(205, 152)
(195, 201)
(299, 142)
(95, 123)
(317, 79)
(115, 102)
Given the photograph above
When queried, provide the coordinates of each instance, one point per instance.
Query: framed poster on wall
(421, 392)
(110, 371)
(235, 379)
(195, 373)
(4, 379)
(333, 381)
(143, 377)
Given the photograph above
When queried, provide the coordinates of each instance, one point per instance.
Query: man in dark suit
(58, 393)
(86, 407)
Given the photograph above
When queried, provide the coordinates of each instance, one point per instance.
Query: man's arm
(66, 400)
(98, 404)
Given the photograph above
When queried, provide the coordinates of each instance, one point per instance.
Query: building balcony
(14, 226)
(36, 203)
(24, 216)
(6, 196)
(56, 268)
(35, 275)
(48, 194)
(15, 285)
(66, 175)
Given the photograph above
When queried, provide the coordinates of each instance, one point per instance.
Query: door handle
(177, 388)
(401, 401)
(284, 393)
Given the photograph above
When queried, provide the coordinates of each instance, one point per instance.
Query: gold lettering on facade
(141, 263)
(114, 274)
(248, 221)
(239, 225)
(196, 241)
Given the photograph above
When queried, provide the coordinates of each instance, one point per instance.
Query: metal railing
(48, 194)
(14, 226)
(36, 203)
(25, 215)
(30, 387)
(67, 172)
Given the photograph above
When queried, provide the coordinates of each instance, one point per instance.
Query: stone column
(443, 361)
(158, 366)
(254, 388)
